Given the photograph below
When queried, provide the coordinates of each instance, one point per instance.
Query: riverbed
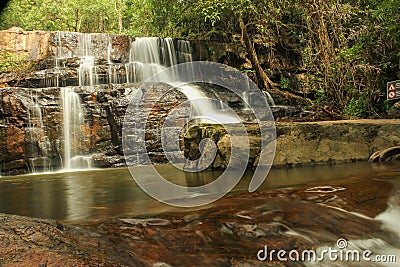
(106, 219)
(93, 195)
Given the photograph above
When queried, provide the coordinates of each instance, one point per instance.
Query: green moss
(10, 62)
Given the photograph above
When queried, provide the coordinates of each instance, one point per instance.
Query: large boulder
(394, 111)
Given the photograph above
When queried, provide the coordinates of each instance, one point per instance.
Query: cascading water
(73, 111)
(73, 115)
(144, 59)
(87, 71)
(184, 51)
(204, 108)
(149, 56)
(112, 72)
(39, 149)
(103, 59)
(270, 100)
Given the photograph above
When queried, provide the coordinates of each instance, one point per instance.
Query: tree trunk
(119, 11)
(264, 81)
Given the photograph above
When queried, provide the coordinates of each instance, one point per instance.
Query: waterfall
(148, 56)
(169, 56)
(246, 100)
(87, 71)
(270, 100)
(144, 59)
(73, 116)
(81, 64)
(112, 72)
(203, 108)
(184, 51)
(39, 149)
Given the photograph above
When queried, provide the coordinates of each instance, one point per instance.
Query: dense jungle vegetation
(348, 49)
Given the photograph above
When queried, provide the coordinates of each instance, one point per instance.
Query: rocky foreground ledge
(230, 232)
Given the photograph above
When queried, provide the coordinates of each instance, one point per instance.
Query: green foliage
(138, 19)
(10, 62)
(387, 104)
(320, 97)
(357, 107)
(347, 49)
(69, 15)
(285, 82)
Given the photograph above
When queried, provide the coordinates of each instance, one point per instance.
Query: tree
(347, 49)
(68, 15)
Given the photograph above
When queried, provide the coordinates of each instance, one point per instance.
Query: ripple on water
(324, 189)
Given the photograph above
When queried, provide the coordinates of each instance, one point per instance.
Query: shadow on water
(98, 194)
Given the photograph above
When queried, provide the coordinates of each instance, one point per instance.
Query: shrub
(10, 62)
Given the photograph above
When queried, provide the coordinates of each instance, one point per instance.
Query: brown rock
(394, 111)
(15, 143)
(308, 142)
(193, 133)
(33, 44)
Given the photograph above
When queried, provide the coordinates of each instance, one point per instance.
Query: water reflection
(98, 194)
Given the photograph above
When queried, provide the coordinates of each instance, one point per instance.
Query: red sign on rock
(393, 90)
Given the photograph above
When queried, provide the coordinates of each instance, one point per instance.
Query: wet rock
(394, 111)
(289, 112)
(146, 222)
(108, 161)
(15, 142)
(193, 133)
(161, 264)
(191, 217)
(40, 242)
(12, 105)
(303, 143)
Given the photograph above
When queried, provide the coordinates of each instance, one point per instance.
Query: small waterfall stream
(87, 71)
(73, 113)
(149, 56)
(39, 149)
(144, 59)
(203, 108)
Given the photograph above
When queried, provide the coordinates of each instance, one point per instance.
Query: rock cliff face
(102, 74)
(30, 142)
(34, 45)
(98, 69)
(95, 68)
(57, 56)
(304, 143)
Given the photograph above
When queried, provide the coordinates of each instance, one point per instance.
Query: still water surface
(98, 194)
